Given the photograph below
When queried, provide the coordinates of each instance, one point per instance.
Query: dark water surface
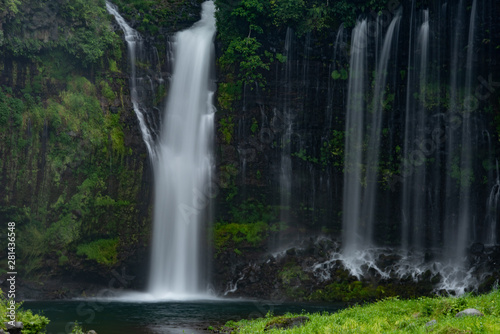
(164, 317)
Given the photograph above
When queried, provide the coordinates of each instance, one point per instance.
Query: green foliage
(11, 109)
(32, 323)
(227, 128)
(251, 11)
(106, 91)
(292, 271)
(345, 291)
(10, 6)
(396, 316)
(113, 67)
(288, 12)
(238, 235)
(342, 74)
(86, 35)
(104, 251)
(245, 53)
(77, 329)
(255, 126)
(252, 211)
(228, 92)
(331, 152)
(302, 154)
(151, 15)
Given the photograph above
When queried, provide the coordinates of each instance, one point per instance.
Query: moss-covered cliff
(75, 175)
(74, 171)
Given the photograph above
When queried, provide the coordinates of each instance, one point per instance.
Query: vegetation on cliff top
(81, 28)
(149, 16)
(393, 315)
(243, 27)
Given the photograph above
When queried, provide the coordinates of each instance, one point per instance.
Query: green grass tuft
(393, 315)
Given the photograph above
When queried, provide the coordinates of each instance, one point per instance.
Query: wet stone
(470, 312)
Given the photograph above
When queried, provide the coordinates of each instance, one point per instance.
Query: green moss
(112, 66)
(104, 251)
(238, 235)
(227, 129)
(348, 291)
(106, 91)
(228, 92)
(292, 271)
(153, 15)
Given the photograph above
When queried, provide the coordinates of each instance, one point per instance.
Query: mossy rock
(286, 322)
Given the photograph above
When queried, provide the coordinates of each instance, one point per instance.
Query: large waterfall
(438, 216)
(182, 159)
(359, 202)
(185, 164)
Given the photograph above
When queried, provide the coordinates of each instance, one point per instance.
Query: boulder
(470, 312)
(16, 329)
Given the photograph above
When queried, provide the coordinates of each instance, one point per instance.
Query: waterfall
(134, 47)
(466, 219)
(459, 220)
(285, 173)
(185, 164)
(361, 168)
(372, 160)
(353, 234)
(492, 206)
(182, 158)
(414, 204)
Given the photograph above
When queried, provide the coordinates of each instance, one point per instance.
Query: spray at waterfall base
(317, 270)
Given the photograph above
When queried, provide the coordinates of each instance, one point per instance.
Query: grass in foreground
(395, 316)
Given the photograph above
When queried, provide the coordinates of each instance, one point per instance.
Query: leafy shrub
(236, 235)
(33, 323)
(103, 251)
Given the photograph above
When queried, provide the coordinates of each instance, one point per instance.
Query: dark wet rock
(477, 248)
(16, 329)
(436, 279)
(470, 312)
(286, 323)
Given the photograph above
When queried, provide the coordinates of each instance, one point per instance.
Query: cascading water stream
(353, 232)
(492, 209)
(183, 160)
(465, 216)
(360, 202)
(134, 44)
(414, 203)
(185, 164)
(372, 160)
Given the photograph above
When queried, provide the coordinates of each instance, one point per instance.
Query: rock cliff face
(282, 146)
(75, 174)
(74, 168)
